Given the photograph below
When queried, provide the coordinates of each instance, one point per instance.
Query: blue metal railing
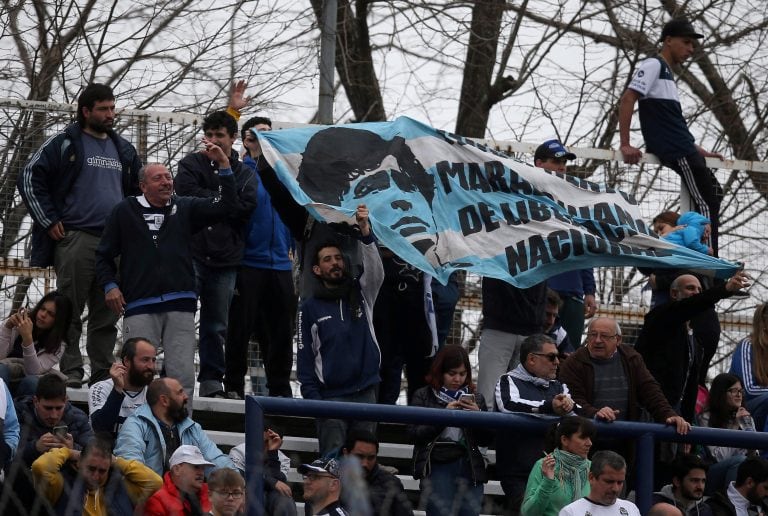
(645, 434)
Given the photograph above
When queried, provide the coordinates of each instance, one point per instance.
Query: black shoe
(74, 383)
(233, 395)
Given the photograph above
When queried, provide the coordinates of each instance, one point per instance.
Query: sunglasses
(549, 356)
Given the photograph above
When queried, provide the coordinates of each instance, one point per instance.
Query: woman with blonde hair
(750, 364)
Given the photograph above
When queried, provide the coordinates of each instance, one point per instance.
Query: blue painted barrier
(644, 434)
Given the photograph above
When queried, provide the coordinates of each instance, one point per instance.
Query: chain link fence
(621, 291)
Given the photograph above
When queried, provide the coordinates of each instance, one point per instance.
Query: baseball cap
(680, 27)
(330, 466)
(188, 454)
(552, 149)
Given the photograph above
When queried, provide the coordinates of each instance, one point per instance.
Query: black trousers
(264, 305)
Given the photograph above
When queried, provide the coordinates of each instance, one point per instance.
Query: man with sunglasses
(531, 387)
(385, 491)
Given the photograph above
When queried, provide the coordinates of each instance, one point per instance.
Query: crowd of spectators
(229, 237)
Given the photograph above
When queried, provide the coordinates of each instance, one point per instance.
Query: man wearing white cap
(322, 487)
(184, 489)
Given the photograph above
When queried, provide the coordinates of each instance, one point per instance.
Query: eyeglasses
(314, 476)
(735, 392)
(603, 336)
(235, 495)
(549, 356)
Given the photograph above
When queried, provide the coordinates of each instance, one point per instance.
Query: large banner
(443, 202)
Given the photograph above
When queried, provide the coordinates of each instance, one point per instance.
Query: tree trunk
(477, 93)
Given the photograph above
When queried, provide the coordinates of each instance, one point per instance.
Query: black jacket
(425, 436)
(720, 505)
(513, 310)
(218, 244)
(150, 268)
(46, 180)
(32, 428)
(388, 497)
(663, 344)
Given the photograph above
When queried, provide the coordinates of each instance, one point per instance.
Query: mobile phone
(467, 398)
(60, 431)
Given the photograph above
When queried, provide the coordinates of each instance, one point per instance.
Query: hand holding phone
(467, 398)
(60, 431)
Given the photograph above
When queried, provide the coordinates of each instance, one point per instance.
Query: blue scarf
(445, 396)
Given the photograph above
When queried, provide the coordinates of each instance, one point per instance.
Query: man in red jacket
(184, 489)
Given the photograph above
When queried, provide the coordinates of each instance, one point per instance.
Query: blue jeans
(445, 299)
(722, 473)
(332, 433)
(215, 286)
(26, 386)
(449, 490)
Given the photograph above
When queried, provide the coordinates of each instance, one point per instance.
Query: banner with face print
(443, 203)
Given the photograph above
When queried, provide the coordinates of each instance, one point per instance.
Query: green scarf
(571, 470)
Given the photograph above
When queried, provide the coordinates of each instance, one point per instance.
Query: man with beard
(686, 492)
(338, 356)
(184, 489)
(111, 401)
(93, 481)
(162, 425)
(70, 185)
(385, 490)
(746, 496)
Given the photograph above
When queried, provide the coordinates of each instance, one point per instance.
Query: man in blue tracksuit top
(338, 357)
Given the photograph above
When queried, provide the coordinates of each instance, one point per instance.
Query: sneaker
(233, 395)
(217, 394)
(74, 383)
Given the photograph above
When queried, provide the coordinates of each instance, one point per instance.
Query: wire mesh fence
(621, 291)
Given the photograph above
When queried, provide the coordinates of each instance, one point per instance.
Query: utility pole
(327, 61)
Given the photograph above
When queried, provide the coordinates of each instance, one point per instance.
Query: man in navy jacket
(338, 356)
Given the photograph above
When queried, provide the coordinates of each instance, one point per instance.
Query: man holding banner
(338, 358)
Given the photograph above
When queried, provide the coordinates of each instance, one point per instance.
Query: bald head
(684, 286)
(664, 509)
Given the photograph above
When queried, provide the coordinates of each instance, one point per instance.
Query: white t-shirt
(99, 392)
(584, 507)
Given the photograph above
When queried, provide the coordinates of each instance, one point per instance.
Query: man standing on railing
(70, 186)
(664, 129)
(338, 358)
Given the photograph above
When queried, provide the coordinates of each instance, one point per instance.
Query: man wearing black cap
(551, 155)
(575, 288)
(664, 129)
(322, 487)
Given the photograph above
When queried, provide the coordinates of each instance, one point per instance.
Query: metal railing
(644, 434)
